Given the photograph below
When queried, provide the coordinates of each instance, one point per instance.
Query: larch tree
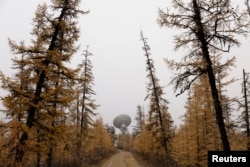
(199, 130)
(201, 124)
(160, 123)
(140, 120)
(244, 117)
(40, 92)
(181, 147)
(86, 105)
(15, 114)
(206, 26)
(100, 144)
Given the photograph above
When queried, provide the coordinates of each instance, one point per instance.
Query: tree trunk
(246, 110)
(205, 53)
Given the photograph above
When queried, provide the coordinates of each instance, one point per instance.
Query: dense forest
(50, 110)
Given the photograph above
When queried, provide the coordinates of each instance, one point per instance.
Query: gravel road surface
(121, 159)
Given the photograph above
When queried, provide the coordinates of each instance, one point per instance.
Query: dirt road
(121, 159)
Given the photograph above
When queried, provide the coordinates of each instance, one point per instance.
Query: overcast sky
(112, 30)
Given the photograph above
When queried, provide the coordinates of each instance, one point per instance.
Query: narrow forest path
(121, 159)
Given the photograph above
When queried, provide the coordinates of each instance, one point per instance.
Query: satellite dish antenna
(122, 122)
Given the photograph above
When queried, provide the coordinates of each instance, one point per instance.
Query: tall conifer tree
(86, 105)
(206, 26)
(45, 76)
(160, 123)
